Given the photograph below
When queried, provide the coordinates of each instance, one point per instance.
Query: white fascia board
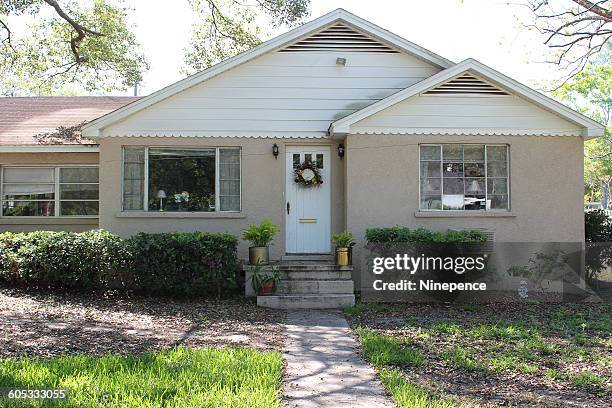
(591, 127)
(49, 149)
(95, 128)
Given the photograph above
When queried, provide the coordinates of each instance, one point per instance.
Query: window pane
(185, 176)
(431, 186)
(431, 203)
(430, 153)
(474, 153)
(16, 175)
(79, 208)
(229, 179)
(497, 153)
(319, 161)
(453, 186)
(499, 202)
(28, 208)
(474, 169)
(452, 152)
(474, 186)
(308, 157)
(79, 175)
(497, 186)
(296, 160)
(497, 169)
(430, 169)
(452, 202)
(133, 178)
(453, 169)
(28, 191)
(79, 191)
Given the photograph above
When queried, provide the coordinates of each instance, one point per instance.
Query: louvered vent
(339, 37)
(466, 84)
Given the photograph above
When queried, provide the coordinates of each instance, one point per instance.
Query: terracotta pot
(259, 255)
(267, 289)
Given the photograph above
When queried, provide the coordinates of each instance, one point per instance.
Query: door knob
(288, 207)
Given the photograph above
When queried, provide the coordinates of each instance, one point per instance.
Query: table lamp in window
(474, 188)
(161, 194)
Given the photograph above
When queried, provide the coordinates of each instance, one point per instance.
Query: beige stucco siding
(382, 187)
(263, 186)
(19, 224)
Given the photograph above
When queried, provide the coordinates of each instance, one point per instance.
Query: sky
(491, 31)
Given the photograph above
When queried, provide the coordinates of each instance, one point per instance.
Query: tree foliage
(590, 92)
(89, 45)
(577, 30)
(224, 28)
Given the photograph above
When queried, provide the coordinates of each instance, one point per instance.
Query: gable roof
(22, 118)
(93, 129)
(591, 128)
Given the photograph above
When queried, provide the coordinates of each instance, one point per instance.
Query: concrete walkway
(323, 367)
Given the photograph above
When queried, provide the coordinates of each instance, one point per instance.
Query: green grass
(589, 381)
(459, 358)
(410, 395)
(382, 350)
(180, 377)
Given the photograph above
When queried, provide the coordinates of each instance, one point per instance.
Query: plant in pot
(264, 282)
(343, 241)
(261, 237)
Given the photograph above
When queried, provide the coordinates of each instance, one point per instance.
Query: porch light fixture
(340, 151)
(161, 194)
(341, 61)
(275, 151)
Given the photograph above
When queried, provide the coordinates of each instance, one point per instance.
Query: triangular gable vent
(466, 84)
(339, 37)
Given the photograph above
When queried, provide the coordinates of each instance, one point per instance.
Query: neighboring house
(399, 135)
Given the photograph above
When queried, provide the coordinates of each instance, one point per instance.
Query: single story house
(397, 134)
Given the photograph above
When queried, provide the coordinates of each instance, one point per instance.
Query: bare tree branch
(595, 8)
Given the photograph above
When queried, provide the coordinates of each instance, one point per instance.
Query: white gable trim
(95, 127)
(591, 128)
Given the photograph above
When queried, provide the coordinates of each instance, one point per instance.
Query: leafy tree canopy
(87, 45)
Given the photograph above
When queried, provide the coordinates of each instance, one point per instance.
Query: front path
(323, 367)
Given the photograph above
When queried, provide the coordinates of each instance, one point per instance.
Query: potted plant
(264, 282)
(260, 236)
(343, 241)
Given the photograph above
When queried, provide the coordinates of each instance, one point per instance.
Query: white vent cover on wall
(339, 37)
(466, 84)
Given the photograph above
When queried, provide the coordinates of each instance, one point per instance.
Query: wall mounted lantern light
(340, 151)
(275, 151)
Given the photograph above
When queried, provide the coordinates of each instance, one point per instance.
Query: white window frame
(57, 192)
(145, 194)
(486, 176)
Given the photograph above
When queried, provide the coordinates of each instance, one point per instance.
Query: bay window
(49, 191)
(181, 179)
(464, 177)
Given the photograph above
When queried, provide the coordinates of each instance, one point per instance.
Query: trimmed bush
(173, 264)
(421, 235)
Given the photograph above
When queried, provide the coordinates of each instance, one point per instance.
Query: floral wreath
(307, 174)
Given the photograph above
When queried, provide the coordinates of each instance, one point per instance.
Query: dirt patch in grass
(494, 355)
(51, 325)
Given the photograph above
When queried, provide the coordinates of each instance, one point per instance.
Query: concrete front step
(307, 258)
(302, 275)
(286, 287)
(306, 301)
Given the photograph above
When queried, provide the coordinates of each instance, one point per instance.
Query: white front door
(308, 209)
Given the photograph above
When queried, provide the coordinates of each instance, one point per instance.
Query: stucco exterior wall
(263, 186)
(546, 188)
(24, 224)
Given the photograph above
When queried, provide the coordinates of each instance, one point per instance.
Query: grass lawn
(178, 377)
(489, 355)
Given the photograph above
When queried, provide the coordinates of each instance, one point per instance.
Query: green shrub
(597, 226)
(422, 235)
(175, 264)
(343, 239)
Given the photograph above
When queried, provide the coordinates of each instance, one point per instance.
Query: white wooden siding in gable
(441, 114)
(279, 94)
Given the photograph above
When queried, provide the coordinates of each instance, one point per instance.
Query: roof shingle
(22, 118)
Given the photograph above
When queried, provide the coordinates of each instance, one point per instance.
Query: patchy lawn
(179, 377)
(489, 355)
(53, 325)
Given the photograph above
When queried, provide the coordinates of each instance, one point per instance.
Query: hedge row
(167, 264)
(404, 234)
